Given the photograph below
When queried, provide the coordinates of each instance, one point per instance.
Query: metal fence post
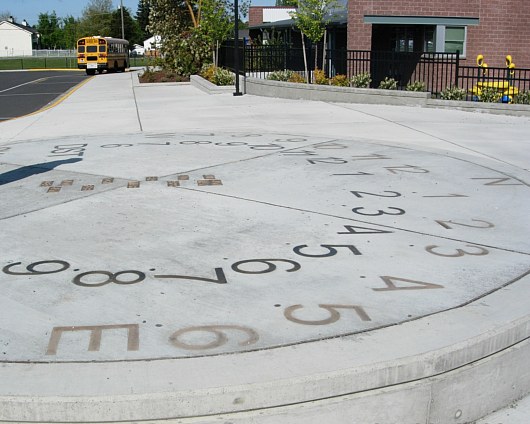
(457, 70)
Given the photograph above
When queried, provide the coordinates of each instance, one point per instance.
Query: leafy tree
(51, 34)
(190, 29)
(96, 18)
(131, 27)
(311, 18)
(142, 16)
(292, 3)
(216, 23)
(181, 50)
(70, 28)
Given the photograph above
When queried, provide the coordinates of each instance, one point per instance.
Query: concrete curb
(436, 380)
(494, 108)
(207, 87)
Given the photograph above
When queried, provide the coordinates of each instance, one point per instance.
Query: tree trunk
(324, 50)
(305, 60)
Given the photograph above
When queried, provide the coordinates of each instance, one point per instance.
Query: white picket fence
(37, 53)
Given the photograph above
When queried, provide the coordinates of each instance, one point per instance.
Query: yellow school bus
(102, 53)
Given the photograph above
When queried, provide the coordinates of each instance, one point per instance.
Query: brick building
(258, 15)
(494, 28)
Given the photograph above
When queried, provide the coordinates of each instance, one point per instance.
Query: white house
(152, 43)
(17, 39)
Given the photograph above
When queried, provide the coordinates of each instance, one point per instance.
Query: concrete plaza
(173, 255)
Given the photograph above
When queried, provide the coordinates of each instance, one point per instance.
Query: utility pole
(122, 26)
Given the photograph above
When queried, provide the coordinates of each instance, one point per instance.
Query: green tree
(51, 34)
(96, 18)
(170, 20)
(131, 27)
(216, 24)
(311, 18)
(142, 16)
(190, 29)
(70, 27)
(292, 3)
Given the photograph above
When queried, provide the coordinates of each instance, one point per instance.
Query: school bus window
(102, 49)
(91, 49)
(81, 49)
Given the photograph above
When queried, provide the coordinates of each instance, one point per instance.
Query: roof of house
(24, 27)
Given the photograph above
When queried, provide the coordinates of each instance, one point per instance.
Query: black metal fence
(437, 71)
(494, 84)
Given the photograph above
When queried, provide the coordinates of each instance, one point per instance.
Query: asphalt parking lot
(22, 93)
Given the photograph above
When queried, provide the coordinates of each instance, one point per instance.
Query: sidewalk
(174, 256)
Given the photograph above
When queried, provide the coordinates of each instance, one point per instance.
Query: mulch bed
(162, 76)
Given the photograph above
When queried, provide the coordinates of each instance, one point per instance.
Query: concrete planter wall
(206, 86)
(495, 108)
(328, 93)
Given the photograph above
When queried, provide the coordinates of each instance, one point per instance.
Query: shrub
(489, 95)
(280, 75)
(361, 80)
(320, 77)
(295, 77)
(216, 75)
(522, 98)
(453, 93)
(223, 77)
(388, 84)
(286, 76)
(416, 86)
(340, 81)
(207, 71)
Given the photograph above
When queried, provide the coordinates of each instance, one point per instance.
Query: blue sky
(30, 9)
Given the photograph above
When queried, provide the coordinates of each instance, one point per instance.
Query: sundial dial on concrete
(163, 246)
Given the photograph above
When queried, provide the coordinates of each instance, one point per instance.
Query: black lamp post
(236, 47)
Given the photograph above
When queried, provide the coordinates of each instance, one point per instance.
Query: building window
(429, 39)
(455, 39)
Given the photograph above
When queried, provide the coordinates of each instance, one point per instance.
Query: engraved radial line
(430, 135)
(275, 152)
(356, 220)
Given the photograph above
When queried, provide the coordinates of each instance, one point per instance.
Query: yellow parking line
(57, 101)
